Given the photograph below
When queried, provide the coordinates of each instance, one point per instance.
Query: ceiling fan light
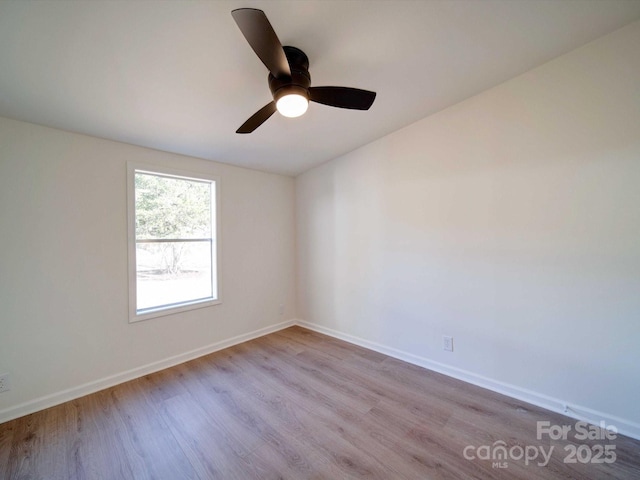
(292, 105)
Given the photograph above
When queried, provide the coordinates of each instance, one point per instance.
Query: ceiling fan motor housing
(299, 81)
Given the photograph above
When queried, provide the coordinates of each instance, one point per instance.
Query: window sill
(135, 317)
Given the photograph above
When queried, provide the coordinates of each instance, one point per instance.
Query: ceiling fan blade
(256, 28)
(258, 118)
(343, 97)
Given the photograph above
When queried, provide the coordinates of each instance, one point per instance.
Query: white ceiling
(179, 76)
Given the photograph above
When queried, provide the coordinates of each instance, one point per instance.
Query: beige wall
(63, 261)
(510, 221)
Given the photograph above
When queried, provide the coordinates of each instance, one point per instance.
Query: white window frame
(132, 169)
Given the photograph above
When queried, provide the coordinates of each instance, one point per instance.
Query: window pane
(169, 207)
(173, 272)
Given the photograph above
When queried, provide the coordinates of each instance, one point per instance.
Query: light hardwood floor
(293, 404)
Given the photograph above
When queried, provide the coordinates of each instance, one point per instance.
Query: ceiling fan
(289, 79)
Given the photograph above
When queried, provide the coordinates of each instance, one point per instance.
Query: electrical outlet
(447, 343)
(281, 309)
(4, 383)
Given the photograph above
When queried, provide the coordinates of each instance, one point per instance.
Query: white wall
(63, 265)
(510, 221)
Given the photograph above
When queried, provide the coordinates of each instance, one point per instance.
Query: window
(172, 242)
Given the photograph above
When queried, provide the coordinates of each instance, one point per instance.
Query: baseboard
(578, 412)
(112, 380)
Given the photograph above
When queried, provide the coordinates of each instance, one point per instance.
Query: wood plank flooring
(297, 405)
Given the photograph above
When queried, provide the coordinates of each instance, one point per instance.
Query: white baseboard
(112, 380)
(578, 412)
(625, 427)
